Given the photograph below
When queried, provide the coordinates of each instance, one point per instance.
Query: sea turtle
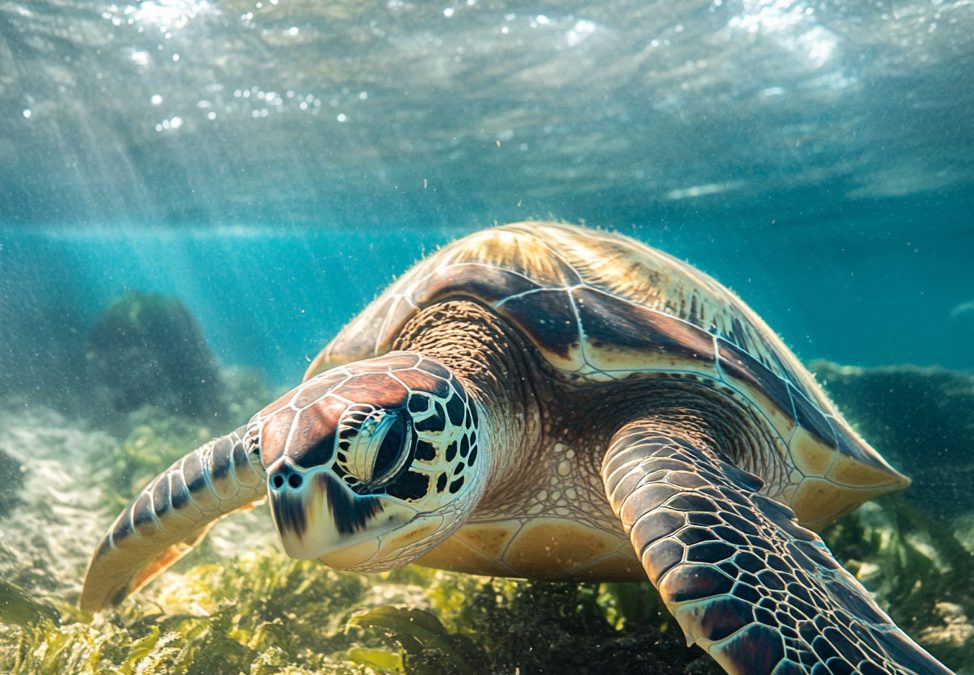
(547, 401)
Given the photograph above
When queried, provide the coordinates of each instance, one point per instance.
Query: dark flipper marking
(757, 591)
(170, 516)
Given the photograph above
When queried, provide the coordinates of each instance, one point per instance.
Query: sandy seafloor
(238, 604)
(274, 164)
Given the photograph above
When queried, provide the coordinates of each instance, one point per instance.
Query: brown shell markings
(600, 306)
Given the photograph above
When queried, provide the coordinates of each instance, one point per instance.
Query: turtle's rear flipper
(171, 515)
(757, 591)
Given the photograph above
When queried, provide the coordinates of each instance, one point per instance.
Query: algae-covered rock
(921, 419)
(238, 604)
(11, 482)
(148, 349)
(913, 550)
(917, 568)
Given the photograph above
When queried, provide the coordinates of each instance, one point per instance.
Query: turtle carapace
(547, 401)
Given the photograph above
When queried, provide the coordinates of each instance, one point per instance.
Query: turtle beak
(316, 515)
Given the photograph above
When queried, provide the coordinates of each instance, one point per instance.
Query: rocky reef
(147, 349)
(238, 605)
(921, 419)
(915, 550)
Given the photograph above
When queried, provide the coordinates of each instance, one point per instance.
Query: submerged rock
(147, 349)
(11, 482)
(914, 550)
(921, 419)
(238, 604)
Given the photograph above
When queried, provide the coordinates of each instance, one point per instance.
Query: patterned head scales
(372, 464)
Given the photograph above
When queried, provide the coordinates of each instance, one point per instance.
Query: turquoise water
(876, 291)
(815, 156)
(274, 165)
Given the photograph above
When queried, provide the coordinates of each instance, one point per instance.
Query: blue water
(867, 293)
(275, 165)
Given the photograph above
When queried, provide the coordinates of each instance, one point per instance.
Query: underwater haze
(817, 157)
(195, 196)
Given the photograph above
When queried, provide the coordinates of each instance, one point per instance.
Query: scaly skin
(476, 416)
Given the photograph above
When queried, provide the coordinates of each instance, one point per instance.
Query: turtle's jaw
(317, 516)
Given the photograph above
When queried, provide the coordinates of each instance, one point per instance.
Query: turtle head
(371, 465)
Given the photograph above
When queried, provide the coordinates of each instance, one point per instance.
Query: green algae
(19, 608)
(258, 613)
(247, 608)
(154, 441)
(264, 613)
(427, 647)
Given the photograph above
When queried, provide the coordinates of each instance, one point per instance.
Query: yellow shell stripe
(530, 269)
(554, 256)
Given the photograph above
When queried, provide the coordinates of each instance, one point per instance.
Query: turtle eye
(392, 451)
(374, 447)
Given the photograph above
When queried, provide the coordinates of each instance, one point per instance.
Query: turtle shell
(602, 307)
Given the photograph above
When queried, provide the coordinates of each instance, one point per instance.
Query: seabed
(237, 604)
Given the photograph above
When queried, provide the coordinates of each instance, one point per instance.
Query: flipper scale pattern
(171, 515)
(746, 582)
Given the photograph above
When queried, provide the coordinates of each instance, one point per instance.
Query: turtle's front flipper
(171, 515)
(758, 592)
